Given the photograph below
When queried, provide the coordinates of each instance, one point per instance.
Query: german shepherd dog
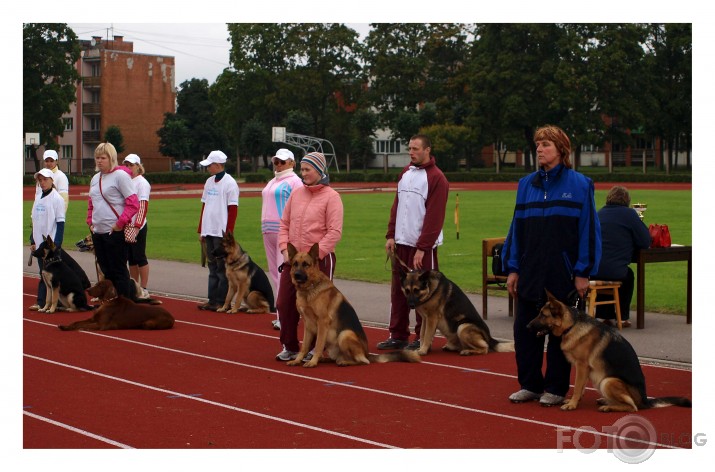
(329, 319)
(118, 312)
(247, 282)
(601, 353)
(444, 306)
(64, 278)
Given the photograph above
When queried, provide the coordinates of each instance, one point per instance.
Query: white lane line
(380, 392)
(213, 403)
(77, 430)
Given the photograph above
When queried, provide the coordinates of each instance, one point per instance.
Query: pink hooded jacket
(312, 215)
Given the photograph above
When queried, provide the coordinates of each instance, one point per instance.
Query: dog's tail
(403, 355)
(501, 346)
(662, 402)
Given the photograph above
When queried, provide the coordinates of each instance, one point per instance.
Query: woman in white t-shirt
(48, 219)
(138, 263)
(112, 205)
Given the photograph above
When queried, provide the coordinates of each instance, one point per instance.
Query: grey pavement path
(666, 338)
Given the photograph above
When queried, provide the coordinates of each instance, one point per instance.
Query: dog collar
(52, 260)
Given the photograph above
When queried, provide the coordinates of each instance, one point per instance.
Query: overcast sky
(200, 49)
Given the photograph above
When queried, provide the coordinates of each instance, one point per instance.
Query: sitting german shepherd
(444, 306)
(247, 282)
(118, 312)
(329, 319)
(64, 278)
(601, 353)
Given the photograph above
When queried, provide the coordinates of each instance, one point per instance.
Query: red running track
(212, 382)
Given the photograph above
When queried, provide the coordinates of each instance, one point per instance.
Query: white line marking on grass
(77, 430)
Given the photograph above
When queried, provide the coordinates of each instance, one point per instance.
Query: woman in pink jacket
(275, 197)
(313, 214)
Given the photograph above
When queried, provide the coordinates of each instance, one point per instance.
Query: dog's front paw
(311, 363)
(294, 362)
(222, 309)
(423, 351)
(232, 311)
(570, 405)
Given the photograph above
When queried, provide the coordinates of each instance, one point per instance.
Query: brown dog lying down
(118, 312)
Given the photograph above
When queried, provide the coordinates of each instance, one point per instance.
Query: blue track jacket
(554, 235)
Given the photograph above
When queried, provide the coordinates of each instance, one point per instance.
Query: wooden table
(661, 254)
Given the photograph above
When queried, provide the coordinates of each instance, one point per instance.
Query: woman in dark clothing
(554, 244)
(622, 235)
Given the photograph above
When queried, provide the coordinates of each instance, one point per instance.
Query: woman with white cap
(313, 214)
(112, 205)
(138, 263)
(48, 219)
(58, 177)
(219, 211)
(275, 196)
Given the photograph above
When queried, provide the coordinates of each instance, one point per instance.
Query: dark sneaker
(308, 357)
(414, 345)
(392, 343)
(207, 307)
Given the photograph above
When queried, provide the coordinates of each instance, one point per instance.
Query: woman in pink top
(313, 214)
(275, 197)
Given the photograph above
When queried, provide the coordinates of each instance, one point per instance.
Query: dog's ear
(552, 299)
(50, 243)
(315, 252)
(292, 251)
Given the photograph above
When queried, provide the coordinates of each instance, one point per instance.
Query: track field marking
(357, 387)
(212, 403)
(77, 430)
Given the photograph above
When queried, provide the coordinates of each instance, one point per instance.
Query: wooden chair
(596, 286)
(489, 280)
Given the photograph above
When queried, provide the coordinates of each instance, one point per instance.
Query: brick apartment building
(119, 88)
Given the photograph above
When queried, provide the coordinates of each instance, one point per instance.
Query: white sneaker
(145, 293)
(524, 395)
(550, 399)
(276, 325)
(286, 355)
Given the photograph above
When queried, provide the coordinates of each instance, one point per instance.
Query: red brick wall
(137, 90)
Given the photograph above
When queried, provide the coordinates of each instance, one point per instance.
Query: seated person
(622, 235)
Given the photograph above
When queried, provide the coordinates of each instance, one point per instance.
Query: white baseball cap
(215, 157)
(50, 154)
(133, 158)
(45, 173)
(284, 155)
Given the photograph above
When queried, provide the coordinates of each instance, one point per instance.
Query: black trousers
(530, 355)
(625, 296)
(112, 252)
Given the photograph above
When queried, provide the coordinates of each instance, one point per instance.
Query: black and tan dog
(601, 353)
(247, 282)
(118, 312)
(444, 306)
(329, 319)
(64, 279)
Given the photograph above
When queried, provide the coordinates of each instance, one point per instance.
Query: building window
(94, 124)
(94, 97)
(69, 124)
(384, 146)
(95, 70)
(67, 152)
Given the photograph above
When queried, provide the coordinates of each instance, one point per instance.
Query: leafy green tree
(114, 136)
(174, 137)
(450, 143)
(199, 115)
(364, 124)
(255, 140)
(49, 79)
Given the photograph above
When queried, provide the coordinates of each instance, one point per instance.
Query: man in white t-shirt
(60, 179)
(218, 215)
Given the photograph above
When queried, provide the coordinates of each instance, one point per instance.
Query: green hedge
(187, 177)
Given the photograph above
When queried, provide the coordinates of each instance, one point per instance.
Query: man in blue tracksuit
(554, 244)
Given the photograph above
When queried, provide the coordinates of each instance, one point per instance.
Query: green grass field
(361, 253)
